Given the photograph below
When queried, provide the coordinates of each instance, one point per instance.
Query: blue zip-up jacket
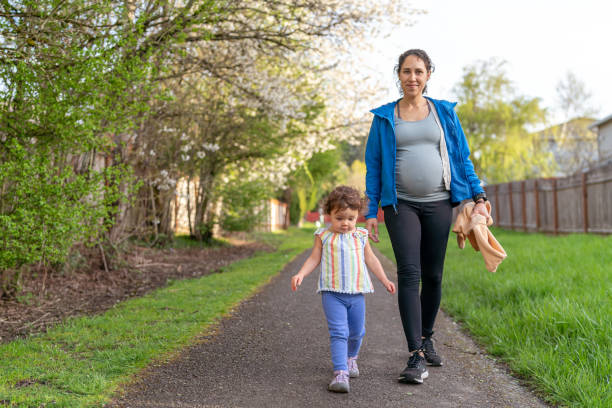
(380, 157)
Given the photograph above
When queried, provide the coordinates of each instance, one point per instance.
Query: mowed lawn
(547, 311)
(84, 361)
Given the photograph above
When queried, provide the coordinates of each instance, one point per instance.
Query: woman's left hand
(481, 208)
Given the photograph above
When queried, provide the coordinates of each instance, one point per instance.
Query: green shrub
(46, 209)
(242, 205)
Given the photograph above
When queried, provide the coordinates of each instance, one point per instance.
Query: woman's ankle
(420, 351)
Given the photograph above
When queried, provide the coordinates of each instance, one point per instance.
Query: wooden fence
(579, 203)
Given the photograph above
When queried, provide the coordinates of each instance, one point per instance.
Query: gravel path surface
(274, 352)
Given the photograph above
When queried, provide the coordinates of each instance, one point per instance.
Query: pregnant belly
(419, 174)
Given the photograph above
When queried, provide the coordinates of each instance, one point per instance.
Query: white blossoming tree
(269, 96)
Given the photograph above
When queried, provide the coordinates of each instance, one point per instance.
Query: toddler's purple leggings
(345, 315)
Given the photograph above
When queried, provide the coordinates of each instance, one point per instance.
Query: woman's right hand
(372, 227)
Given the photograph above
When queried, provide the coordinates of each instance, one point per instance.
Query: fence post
(537, 204)
(585, 203)
(511, 205)
(524, 205)
(497, 204)
(555, 207)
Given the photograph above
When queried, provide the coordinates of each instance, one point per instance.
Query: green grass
(82, 362)
(184, 241)
(547, 311)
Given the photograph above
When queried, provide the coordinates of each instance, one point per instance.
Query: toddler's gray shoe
(340, 383)
(352, 367)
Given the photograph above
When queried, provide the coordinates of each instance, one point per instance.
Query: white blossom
(213, 147)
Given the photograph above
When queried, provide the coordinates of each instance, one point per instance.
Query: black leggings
(419, 234)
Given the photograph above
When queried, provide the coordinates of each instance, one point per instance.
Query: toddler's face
(343, 220)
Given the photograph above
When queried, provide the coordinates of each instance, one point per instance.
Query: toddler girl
(345, 255)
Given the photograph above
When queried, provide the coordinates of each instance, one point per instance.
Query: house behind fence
(603, 128)
(577, 203)
(275, 214)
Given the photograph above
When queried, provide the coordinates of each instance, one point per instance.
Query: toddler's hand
(296, 281)
(390, 286)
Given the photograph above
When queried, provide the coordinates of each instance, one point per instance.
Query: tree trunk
(122, 220)
(166, 226)
(203, 221)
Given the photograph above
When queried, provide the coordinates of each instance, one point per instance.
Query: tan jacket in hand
(475, 228)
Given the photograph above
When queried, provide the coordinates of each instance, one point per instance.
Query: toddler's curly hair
(343, 197)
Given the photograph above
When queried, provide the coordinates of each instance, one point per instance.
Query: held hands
(296, 281)
(372, 227)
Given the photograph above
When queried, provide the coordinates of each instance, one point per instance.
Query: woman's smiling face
(413, 76)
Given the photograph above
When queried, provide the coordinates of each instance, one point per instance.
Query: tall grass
(547, 311)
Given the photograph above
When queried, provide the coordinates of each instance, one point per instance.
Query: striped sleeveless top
(343, 267)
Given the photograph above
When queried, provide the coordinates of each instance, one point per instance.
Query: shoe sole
(434, 365)
(340, 389)
(405, 380)
(354, 375)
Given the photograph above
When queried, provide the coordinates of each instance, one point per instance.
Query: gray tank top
(418, 166)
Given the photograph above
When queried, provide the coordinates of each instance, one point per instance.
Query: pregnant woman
(418, 168)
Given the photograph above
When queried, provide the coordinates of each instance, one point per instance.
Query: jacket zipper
(394, 163)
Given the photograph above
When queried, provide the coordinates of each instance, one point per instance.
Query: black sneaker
(430, 353)
(416, 371)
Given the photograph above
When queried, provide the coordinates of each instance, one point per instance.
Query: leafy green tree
(314, 179)
(94, 91)
(497, 123)
(252, 87)
(242, 204)
(64, 73)
(356, 175)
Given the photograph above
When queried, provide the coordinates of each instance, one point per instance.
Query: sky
(541, 40)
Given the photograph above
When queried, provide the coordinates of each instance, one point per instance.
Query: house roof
(600, 122)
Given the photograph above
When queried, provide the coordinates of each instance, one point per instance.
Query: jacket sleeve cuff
(479, 196)
(372, 211)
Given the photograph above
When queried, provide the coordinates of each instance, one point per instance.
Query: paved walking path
(274, 352)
